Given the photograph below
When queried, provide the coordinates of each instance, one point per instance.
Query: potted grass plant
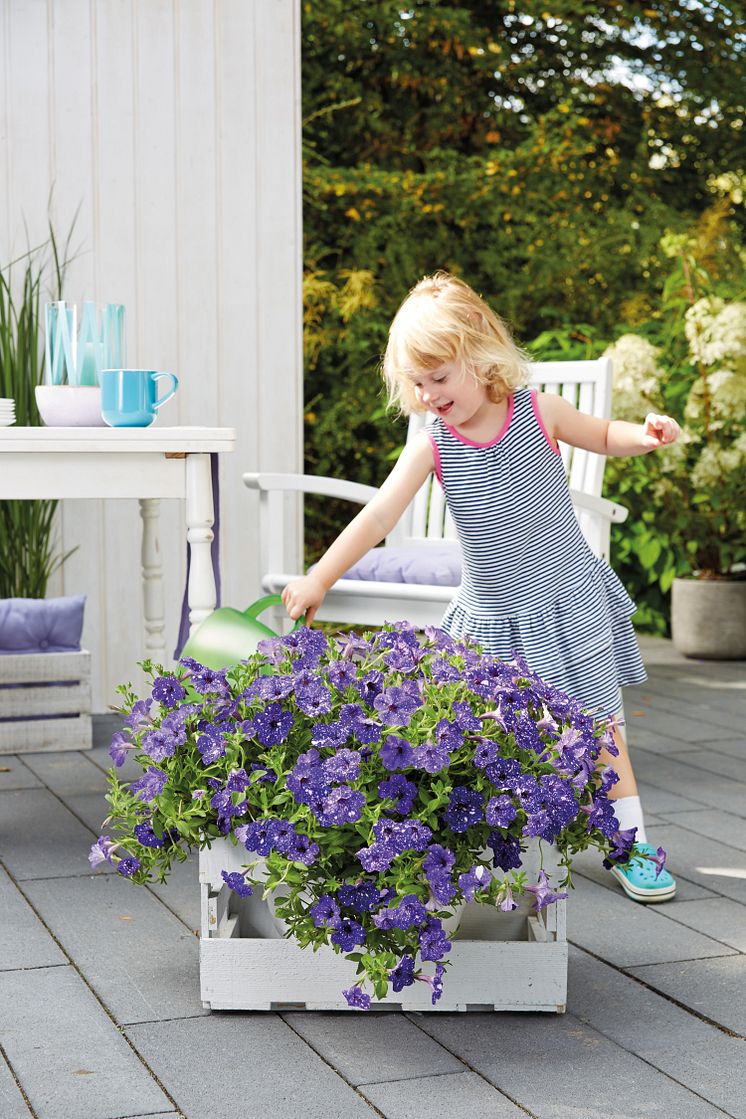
(39, 636)
(371, 785)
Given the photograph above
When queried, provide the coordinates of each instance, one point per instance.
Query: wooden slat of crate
(51, 709)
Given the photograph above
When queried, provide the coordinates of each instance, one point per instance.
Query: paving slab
(67, 1053)
(457, 1094)
(721, 826)
(659, 801)
(675, 776)
(40, 838)
(12, 1103)
(24, 942)
(368, 1048)
(719, 702)
(626, 933)
(712, 761)
(640, 736)
(720, 918)
(678, 1043)
(15, 775)
(67, 771)
(733, 747)
(714, 988)
(181, 892)
(252, 1063)
(90, 808)
(561, 1068)
(140, 960)
(672, 724)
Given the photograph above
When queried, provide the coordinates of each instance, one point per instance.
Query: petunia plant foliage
(376, 783)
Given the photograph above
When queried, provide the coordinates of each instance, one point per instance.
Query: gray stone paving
(100, 1016)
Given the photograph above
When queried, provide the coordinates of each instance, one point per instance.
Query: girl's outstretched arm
(374, 521)
(606, 437)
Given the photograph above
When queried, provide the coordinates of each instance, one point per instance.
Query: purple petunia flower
(542, 892)
(403, 974)
(342, 674)
(302, 850)
(159, 745)
(357, 998)
(128, 866)
(272, 725)
(139, 717)
(376, 858)
(150, 785)
(370, 686)
(361, 898)
(435, 981)
(398, 789)
(120, 745)
(348, 934)
(314, 700)
(237, 883)
(500, 812)
(621, 849)
(344, 766)
(430, 757)
(395, 753)
(168, 690)
(99, 852)
(465, 808)
(343, 805)
(144, 834)
(506, 851)
(478, 878)
(396, 706)
(433, 941)
(438, 858)
(325, 912)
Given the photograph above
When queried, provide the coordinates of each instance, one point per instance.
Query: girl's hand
(659, 430)
(303, 596)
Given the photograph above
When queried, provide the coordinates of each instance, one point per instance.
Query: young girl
(530, 583)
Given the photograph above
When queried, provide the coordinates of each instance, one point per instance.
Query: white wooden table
(146, 463)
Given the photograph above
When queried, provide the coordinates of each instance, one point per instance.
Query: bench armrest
(311, 483)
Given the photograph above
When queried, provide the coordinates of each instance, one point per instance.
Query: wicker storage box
(499, 961)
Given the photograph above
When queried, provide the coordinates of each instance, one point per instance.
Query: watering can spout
(228, 636)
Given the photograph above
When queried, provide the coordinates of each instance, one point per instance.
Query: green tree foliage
(537, 149)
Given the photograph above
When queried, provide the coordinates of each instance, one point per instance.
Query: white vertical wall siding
(175, 126)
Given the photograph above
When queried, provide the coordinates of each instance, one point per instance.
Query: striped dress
(530, 584)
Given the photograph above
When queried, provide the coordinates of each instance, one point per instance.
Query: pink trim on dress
(436, 457)
(539, 420)
(491, 443)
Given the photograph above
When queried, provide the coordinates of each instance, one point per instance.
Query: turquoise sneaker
(639, 882)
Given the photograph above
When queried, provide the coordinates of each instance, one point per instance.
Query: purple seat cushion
(437, 564)
(41, 625)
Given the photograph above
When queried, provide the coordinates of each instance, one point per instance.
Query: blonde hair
(443, 320)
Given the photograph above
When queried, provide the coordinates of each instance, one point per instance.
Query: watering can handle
(262, 604)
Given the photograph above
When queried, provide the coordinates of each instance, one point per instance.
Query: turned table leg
(200, 514)
(152, 581)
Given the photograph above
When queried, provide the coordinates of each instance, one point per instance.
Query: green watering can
(228, 636)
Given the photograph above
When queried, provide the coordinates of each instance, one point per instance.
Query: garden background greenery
(580, 164)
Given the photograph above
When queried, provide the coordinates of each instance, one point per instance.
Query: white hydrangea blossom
(716, 331)
(637, 377)
(716, 463)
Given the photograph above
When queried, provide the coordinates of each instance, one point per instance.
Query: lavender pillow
(41, 625)
(430, 564)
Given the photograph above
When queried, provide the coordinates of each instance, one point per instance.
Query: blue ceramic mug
(129, 397)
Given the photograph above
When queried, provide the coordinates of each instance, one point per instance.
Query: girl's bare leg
(627, 785)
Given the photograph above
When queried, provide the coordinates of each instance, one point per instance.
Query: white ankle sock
(628, 812)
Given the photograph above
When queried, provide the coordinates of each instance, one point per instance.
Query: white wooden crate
(45, 702)
(499, 961)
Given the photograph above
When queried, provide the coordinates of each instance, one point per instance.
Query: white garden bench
(426, 524)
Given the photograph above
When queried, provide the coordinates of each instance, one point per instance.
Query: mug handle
(171, 391)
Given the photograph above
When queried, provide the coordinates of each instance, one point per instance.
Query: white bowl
(70, 405)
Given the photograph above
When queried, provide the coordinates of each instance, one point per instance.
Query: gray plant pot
(708, 618)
